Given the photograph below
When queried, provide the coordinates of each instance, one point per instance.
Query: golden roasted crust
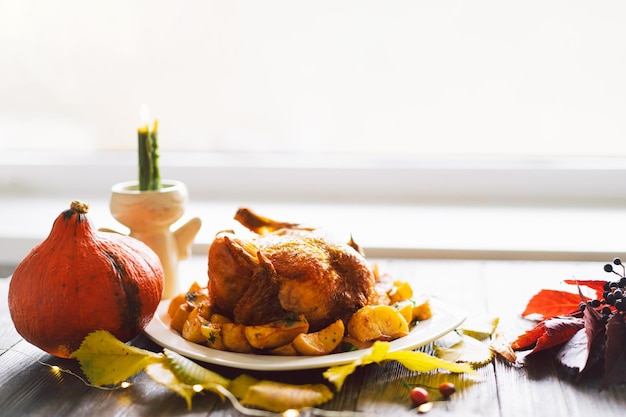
(294, 272)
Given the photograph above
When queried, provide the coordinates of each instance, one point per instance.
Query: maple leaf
(574, 353)
(552, 303)
(548, 333)
(586, 347)
(596, 285)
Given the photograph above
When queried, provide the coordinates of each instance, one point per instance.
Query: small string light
(291, 413)
(197, 388)
(57, 370)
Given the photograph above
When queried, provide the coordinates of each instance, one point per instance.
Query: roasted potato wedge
(175, 303)
(349, 344)
(421, 309)
(276, 333)
(400, 291)
(197, 294)
(234, 338)
(180, 317)
(322, 342)
(285, 350)
(406, 309)
(377, 323)
(213, 335)
(192, 327)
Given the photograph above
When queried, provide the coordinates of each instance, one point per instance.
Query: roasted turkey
(284, 270)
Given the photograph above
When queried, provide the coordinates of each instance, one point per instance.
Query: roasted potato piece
(400, 291)
(234, 338)
(406, 309)
(349, 344)
(219, 319)
(205, 310)
(197, 294)
(414, 310)
(180, 317)
(194, 287)
(377, 323)
(321, 342)
(421, 309)
(191, 329)
(175, 303)
(276, 333)
(285, 350)
(213, 335)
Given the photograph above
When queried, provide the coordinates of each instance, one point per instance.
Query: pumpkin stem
(79, 206)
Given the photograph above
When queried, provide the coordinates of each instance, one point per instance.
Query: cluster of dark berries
(614, 294)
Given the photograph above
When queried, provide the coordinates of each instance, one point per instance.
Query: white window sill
(491, 209)
(419, 231)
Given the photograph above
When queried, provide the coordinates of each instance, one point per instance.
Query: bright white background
(483, 77)
(426, 128)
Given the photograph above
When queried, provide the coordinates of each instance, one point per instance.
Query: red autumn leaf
(584, 348)
(615, 356)
(549, 333)
(596, 285)
(552, 303)
(574, 353)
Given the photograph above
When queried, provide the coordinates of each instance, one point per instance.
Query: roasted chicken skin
(284, 270)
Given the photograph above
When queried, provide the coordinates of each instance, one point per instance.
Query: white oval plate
(445, 319)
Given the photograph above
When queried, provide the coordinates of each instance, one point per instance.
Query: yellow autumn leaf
(278, 397)
(466, 350)
(240, 385)
(105, 360)
(161, 374)
(337, 374)
(479, 328)
(413, 360)
(190, 373)
(423, 362)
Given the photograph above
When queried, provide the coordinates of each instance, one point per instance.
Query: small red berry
(419, 395)
(447, 389)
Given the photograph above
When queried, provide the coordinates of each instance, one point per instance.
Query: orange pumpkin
(79, 280)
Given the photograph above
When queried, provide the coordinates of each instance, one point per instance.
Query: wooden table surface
(28, 387)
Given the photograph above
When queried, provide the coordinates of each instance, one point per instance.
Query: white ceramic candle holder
(149, 215)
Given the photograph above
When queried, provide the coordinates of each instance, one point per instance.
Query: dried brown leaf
(501, 346)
